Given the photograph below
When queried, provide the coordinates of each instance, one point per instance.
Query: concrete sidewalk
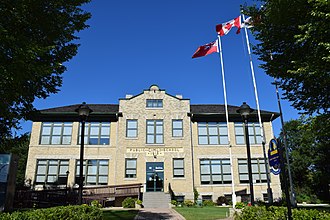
(157, 214)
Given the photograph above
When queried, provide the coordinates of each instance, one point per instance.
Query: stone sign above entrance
(154, 151)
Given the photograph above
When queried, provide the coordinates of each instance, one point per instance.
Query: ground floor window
(259, 174)
(215, 171)
(178, 167)
(130, 171)
(53, 172)
(95, 172)
(206, 197)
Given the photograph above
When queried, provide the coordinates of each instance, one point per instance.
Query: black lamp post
(83, 111)
(245, 111)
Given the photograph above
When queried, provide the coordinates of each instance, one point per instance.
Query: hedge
(280, 213)
(82, 212)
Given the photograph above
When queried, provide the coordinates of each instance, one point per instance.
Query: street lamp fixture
(245, 110)
(83, 111)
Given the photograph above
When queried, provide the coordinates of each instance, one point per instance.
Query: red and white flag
(206, 49)
(224, 28)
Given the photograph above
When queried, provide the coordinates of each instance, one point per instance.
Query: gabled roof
(216, 112)
(100, 108)
(104, 112)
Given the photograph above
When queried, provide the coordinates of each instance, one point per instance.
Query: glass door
(155, 177)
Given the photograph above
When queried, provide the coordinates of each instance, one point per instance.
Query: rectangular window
(215, 171)
(130, 168)
(56, 133)
(96, 133)
(259, 174)
(178, 167)
(155, 132)
(212, 133)
(254, 133)
(154, 103)
(207, 198)
(52, 172)
(177, 128)
(95, 173)
(131, 128)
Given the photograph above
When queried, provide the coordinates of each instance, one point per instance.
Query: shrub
(239, 205)
(174, 202)
(280, 213)
(128, 202)
(188, 203)
(196, 194)
(222, 200)
(96, 204)
(138, 201)
(83, 212)
(208, 203)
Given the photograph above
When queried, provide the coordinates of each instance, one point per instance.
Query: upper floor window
(254, 133)
(96, 133)
(155, 132)
(215, 171)
(130, 168)
(212, 133)
(154, 103)
(56, 133)
(177, 128)
(259, 174)
(52, 172)
(95, 173)
(178, 167)
(131, 128)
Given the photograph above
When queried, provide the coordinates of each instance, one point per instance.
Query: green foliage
(96, 204)
(208, 203)
(287, 29)
(138, 201)
(240, 205)
(36, 39)
(196, 194)
(188, 203)
(280, 213)
(83, 212)
(308, 143)
(128, 202)
(18, 146)
(174, 202)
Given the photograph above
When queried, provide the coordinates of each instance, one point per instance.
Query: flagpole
(227, 119)
(269, 190)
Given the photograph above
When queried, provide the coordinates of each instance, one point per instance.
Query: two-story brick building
(155, 139)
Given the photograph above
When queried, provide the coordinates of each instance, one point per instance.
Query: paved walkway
(158, 214)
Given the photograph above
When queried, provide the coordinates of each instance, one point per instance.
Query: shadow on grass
(119, 214)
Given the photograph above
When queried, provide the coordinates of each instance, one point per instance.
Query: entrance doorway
(155, 177)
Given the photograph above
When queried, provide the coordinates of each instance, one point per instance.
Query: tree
(296, 33)
(20, 147)
(308, 145)
(36, 39)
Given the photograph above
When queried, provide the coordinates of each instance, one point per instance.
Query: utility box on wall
(8, 170)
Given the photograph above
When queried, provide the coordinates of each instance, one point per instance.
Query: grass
(203, 213)
(119, 214)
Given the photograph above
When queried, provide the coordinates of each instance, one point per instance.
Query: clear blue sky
(133, 44)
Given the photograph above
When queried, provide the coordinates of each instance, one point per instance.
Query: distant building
(155, 139)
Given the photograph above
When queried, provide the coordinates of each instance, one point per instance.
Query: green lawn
(203, 213)
(119, 214)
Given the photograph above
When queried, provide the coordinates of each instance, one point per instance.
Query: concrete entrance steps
(156, 200)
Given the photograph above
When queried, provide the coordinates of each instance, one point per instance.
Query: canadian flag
(206, 49)
(224, 28)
